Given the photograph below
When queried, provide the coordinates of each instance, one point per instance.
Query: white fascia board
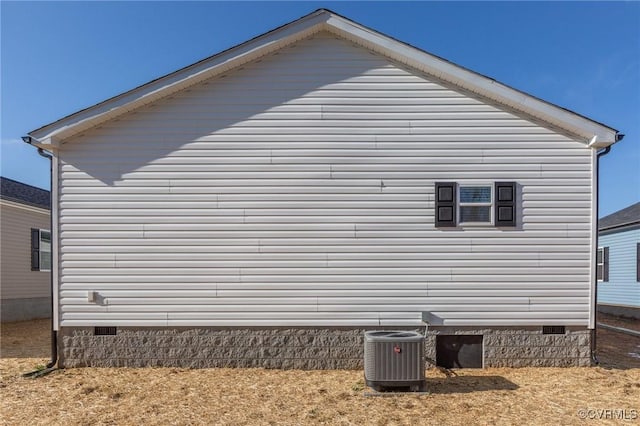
(50, 144)
(476, 83)
(178, 80)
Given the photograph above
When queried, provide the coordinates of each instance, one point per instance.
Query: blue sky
(60, 57)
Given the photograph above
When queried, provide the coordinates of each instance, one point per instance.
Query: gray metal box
(394, 359)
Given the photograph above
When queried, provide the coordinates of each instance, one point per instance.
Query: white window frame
(489, 204)
(600, 252)
(40, 231)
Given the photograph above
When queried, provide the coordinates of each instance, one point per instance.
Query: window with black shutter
(475, 204)
(445, 197)
(40, 250)
(505, 207)
(602, 264)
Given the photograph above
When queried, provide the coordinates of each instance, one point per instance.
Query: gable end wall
(298, 191)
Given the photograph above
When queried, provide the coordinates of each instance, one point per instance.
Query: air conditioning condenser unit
(394, 359)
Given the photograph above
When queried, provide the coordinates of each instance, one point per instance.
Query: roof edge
(49, 134)
(626, 217)
(596, 134)
(20, 202)
(628, 226)
(592, 133)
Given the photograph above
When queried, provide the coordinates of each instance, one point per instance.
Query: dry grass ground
(255, 396)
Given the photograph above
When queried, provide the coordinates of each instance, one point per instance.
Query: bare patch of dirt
(107, 396)
(616, 349)
(25, 339)
(623, 322)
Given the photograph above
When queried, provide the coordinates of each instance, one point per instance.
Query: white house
(264, 206)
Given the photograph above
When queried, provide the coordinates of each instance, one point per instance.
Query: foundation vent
(105, 331)
(553, 329)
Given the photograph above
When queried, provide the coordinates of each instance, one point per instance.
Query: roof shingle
(627, 216)
(22, 193)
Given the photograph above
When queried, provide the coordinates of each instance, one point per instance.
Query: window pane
(475, 194)
(599, 272)
(45, 260)
(600, 252)
(45, 250)
(475, 214)
(45, 245)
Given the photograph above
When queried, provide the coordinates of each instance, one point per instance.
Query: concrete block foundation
(301, 348)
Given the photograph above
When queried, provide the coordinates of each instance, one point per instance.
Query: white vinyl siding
(299, 190)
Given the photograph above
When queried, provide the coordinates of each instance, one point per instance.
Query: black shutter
(505, 208)
(638, 262)
(446, 204)
(35, 249)
(605, 266)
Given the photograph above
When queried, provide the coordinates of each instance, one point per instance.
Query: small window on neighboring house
(602, 264)
(40, 250)
(475, 205)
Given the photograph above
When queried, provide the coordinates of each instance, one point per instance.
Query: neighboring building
(264, 206)
(25, 252)
(619, 263)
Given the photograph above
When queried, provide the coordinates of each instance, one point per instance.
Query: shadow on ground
(467, 384)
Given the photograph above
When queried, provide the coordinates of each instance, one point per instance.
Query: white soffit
(594, 134)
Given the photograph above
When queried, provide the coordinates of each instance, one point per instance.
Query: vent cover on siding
(105, 331)
(553, 329)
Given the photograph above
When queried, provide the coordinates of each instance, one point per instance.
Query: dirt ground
(255, 396)
(618, 350)
(630, 323)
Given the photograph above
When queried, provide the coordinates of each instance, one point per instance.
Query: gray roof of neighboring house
(22, 193)
(627, 216)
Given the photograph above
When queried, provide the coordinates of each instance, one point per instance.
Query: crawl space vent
(105, 331)
(459, 351)
(553, 329)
